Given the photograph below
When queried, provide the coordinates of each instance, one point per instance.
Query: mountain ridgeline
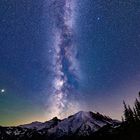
(80, 126)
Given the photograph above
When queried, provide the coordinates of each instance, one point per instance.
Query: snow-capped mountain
(79, 124)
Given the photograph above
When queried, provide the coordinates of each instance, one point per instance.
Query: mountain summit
(79, 124)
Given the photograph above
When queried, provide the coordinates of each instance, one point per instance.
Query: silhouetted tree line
(132, 115)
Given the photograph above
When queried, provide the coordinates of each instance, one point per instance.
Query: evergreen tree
(126, 113)
(137, 108)
(132, 115)
(135, 114)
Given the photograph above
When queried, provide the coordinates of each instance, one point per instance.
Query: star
(98, 18)
(50, 51)
(2, 90)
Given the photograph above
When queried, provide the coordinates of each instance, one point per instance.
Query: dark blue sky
(108, 45)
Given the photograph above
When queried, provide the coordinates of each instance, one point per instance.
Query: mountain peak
(82, 112)
(55, 119)
(80, 124)
(82, 115)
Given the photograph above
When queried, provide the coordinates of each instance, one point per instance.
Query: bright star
(2, 90)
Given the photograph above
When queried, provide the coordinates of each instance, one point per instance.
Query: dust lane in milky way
(65, 65)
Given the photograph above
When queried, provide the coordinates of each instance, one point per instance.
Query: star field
(106, 54)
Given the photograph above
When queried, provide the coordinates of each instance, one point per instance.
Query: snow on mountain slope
(42, 125)
(82, 123)
(31, 125)
(79, 124)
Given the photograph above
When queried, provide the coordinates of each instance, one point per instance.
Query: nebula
(65, 62)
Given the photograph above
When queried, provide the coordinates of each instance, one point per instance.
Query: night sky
(58, 57)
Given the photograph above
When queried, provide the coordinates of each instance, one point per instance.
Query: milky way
(65, 65)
